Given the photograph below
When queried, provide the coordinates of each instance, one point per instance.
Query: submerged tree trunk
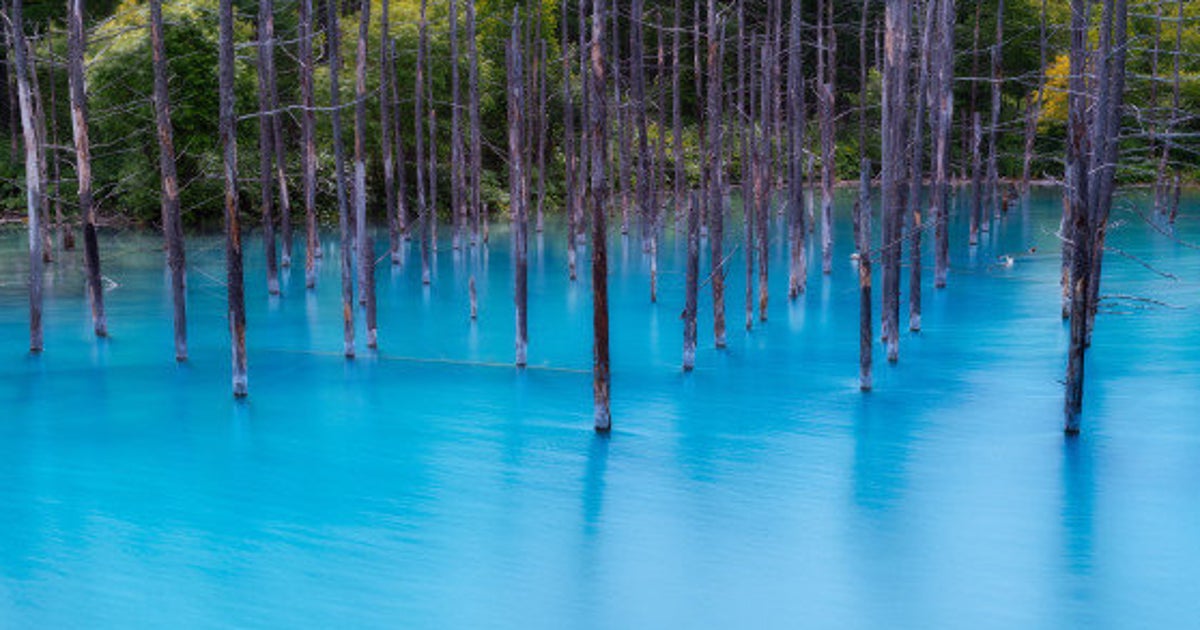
(387, 79)
(748, 129)
(894, 166)
(677, 112)
(312, 244)
(569, 156)
(993, 191)
(33, 180)
(457, 177)
(476, 152)
(763, 180)
(976, 179)
(366, 256)
(423, 210)
(516, 186)
(917, 178)
(715, 203)
(339, 152)
(233, 236)
(76, 45)
(266, 139)
(1177, 179)
(797, 229)
(601, 380)
(691, 289)
(862, 219)
(172, 225)
(826, 65)
(943, 117)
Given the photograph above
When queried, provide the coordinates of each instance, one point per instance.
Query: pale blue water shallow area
(432, 485)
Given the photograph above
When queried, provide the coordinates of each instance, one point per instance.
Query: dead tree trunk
(677, 112)
(797, 229)
(569, 156)
(172, 225)
(601, 380)
(457, 176)
(1177, 179)
(233, 236)
(366, 257)
(715, 203)
(691, 290)
(65, 237)
(862, 218)
(516, 186)
(1033, 109)
(637, 75)
(763, 179)
(312, 243)
(748, 129)
(76, 45)
(976, 179)
(476, 151)
(39, 121)
(895, 156)
(623, 128)
(541, 133)
(387, 78)
(826, 65)
(339, 152)
(33, 180)
(917, 177)
(993, 167)
(266, 139)
(943, 116)
(423, 210)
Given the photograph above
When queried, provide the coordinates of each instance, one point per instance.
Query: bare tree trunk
(1033, 108)
(826, 65)
(476, 151)
(541, 133)
(747, 176)
(1175, 112)
(266, 139)
(339, 151)
(585, 98)
(993, 167)
(423, 210)
(943, 95)
(172, 225)
(33, 181)
(797, 229)
(39, 121)
(976, 179)
(693, 273)
(366, 256)
(623, 128)
(917, 177)
(895, 167)
(763, 179)
(233, 236)
(601, 380)
(387, 79)
(76, 45)
(516, 182)
(312, 243)
(432, 231)
(457, 183)
(715, 202)
(677, 112)
(66, 239)
(569, 155)
(637, 75)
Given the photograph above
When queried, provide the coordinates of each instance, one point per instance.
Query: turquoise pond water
(432, 485)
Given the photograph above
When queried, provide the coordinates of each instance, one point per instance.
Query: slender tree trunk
(895, 168)
(623, 128)
(763, 179)
(943, 95)
(312, 243)
(1175, 112)
(976, 179)
(517, 192)
(476, 151)
(33, 180)
(862, 219)
(569, 155)
(266, 139)
(677, 156)
(457, 176)
(1033, 108)
(585, 121)
(826, 65)
(638, 88)
(693, 273)
(601, 380)
(233, 236)
(387, 78)
(542, 97)
(715, 202)
(339, 151)
(76, 45)
(747, 175)
(66, 239)
(39, 121)
(993, 167)
(797, 229)
(366, 255)
(917, 177)
(423, 210)
(172, 225)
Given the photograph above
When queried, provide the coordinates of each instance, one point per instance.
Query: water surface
(432, 485)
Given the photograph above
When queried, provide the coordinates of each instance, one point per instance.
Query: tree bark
(601, 379)
(476, 151)
(388, 139)
(692, 280)
(715, 202)
(993, 167)
(457, 176)
(976, 179)
(33, 180)
(943, 115)
(797, 229)
(233, 236)
(312, 243)
(339, 151)
(894, 167)
(569, 155)
(763, 179)
(826, 67)
(423, 211)
(917, 177)
(76, 46)
(366, 255)
(266, 139)
(518, 195)
(172, 225)
(862, 219)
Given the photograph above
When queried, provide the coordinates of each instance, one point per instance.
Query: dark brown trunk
(233, 235)
(713, 161)
(601, 379)
(797, 229)
(172, 225)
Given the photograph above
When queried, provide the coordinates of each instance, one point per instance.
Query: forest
(283, 118)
